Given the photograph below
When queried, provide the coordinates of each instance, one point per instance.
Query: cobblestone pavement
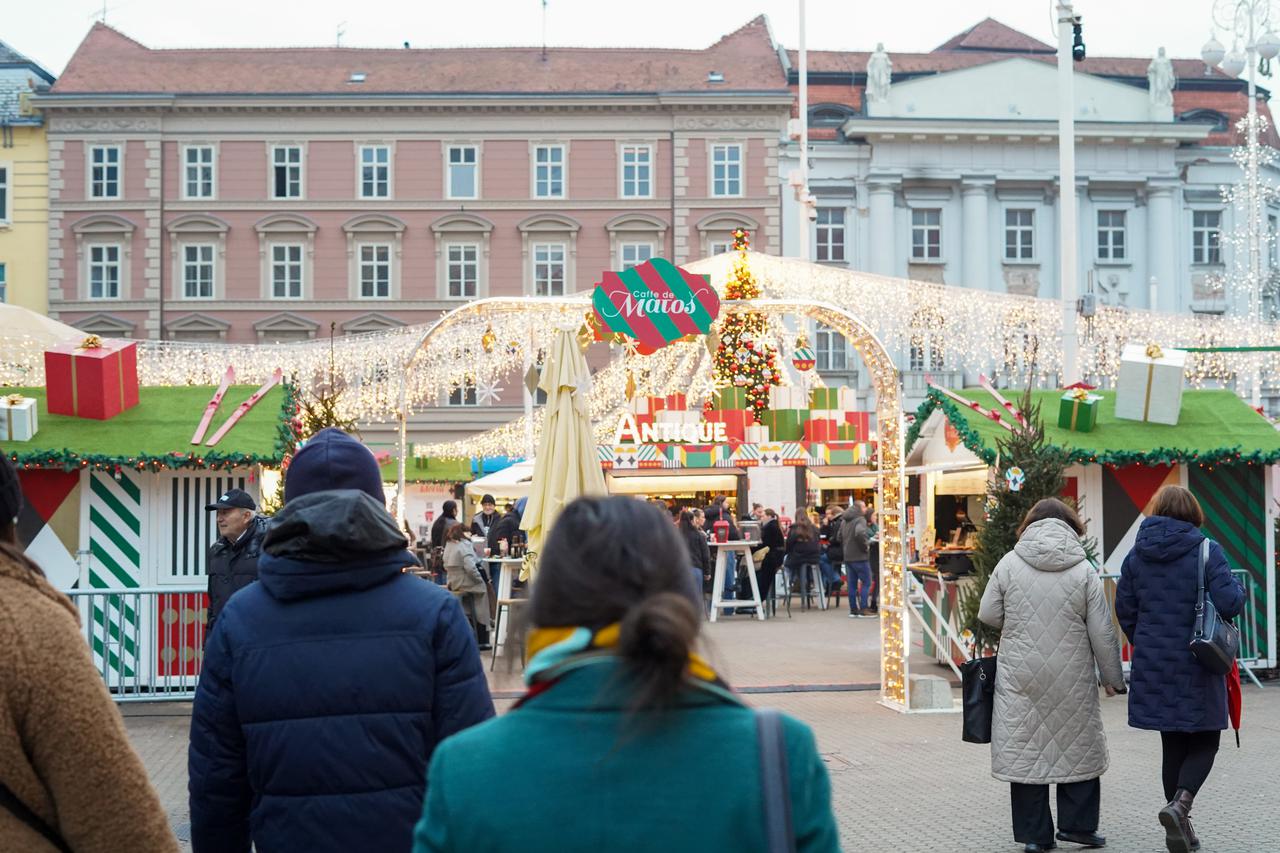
(902, 783)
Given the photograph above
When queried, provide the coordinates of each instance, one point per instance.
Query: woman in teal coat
(626, 739)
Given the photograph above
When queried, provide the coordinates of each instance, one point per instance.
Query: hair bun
(656, 638)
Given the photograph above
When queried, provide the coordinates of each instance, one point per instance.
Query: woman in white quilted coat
(1056, 636)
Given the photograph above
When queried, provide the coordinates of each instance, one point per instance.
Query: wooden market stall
(1220, 448)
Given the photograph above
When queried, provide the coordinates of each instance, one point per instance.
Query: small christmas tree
(1042, 467)
(744, 358)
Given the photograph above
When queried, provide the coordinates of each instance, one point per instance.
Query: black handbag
(978, 692)
(1214, 641)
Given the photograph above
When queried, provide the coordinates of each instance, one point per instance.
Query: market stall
(1220, 448)
(117, 505)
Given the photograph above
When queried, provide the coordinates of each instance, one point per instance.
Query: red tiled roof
(108, 62)
(991, 35)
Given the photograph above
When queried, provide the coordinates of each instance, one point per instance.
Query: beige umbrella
(567, 463)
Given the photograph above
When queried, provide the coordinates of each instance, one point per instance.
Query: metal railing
(147, 643)
(1251, 633)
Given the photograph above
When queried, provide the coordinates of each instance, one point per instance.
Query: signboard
(655, 303)
(629, 432)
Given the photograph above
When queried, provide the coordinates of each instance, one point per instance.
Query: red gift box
(96, 378)
(861, 421)
(657, 404)
(735, 422)
(677, 402)
(821, 429)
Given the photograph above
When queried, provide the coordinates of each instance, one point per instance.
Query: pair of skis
(240, 411)
(990, 414)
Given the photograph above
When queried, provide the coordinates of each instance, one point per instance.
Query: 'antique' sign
(629, 432)
(656, 303)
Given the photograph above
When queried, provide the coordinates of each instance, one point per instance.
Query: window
(4, 194)
(463, 270)
(832, 350)
(463, 171)
(286, 271)
(925, 353)
(830, 234)
(1019, 234)
(286, 171)
(197, 271)
(375, 271)
(104, 272)
(637, 166)
(926, 234)
(548, 171)
(197, 168)
(375, 171)
(104, 171)
(464, 394)
(726, 170)
(719, 248)
(548, 269)
(635, 254)
(1206, 236)
(1111, 235)
(4, 285)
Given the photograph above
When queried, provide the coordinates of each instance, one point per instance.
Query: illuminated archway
(890, 483)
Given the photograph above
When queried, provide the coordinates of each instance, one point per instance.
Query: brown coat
(63, 747)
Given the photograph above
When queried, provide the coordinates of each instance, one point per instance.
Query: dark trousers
(1078, 807)
(1187, 760)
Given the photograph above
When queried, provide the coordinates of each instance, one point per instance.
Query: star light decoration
(488, 393)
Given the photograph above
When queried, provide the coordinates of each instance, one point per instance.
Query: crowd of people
(342, 704)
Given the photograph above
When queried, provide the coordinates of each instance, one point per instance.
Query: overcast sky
(49, 30)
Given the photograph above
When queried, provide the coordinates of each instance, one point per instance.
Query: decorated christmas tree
(1029, 471)
(744, 357)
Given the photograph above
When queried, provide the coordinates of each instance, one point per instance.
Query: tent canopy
(512, 482)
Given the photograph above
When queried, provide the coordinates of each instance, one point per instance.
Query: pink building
(259, 195)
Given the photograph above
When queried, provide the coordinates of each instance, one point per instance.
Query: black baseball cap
(233, 499)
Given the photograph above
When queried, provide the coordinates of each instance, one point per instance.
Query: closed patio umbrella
(567, 465)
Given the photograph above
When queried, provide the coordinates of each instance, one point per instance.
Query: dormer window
(715, 77)
(830, 115)
(1216, 120)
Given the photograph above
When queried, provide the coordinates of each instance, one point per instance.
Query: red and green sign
(656, 303)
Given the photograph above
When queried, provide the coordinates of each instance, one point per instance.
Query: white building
(951, 175)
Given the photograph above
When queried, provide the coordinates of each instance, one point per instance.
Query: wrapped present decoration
(756, 434)
(821, 430)
(788, 397)
(861, 423)
(18, 422)
(825, 398)
(677, 401)
(785, 424)
(729, 398)
(1078, 410)
(848, 398)
(735, 422)
(847, 432)
(1149, 387)
(96, 378)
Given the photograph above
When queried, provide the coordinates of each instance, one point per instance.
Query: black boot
(1178, 835)
(482, 637)
(1032, 847)
(1088, 839)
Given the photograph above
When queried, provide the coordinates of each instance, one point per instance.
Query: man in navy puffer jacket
(327, 685)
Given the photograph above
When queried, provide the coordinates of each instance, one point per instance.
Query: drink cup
(502, 547)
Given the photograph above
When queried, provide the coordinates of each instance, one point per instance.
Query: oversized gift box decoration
(729, 398)
(1078, 410)
(785, 424)
(18, 421)
(757, 434)
(96, 378)
(861, 424)
(1149, 387)
(788, 397)
(735, 422)
(825, 398)
(821, 429)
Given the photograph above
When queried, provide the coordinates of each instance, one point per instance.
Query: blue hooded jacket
(326, 687)
(1155, 603)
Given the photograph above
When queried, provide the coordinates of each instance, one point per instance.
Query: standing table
(744, 548)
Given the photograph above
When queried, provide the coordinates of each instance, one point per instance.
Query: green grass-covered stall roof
(157, 432)
(1214, 428)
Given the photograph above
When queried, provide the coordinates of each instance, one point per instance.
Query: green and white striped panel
(115, 547)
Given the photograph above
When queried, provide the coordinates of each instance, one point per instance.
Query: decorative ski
(1008, 407)
(990, 414)
(214, 403)
(244, 407)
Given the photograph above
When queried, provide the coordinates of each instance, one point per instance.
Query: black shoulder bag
(978, 692)
(18, 809)
(775, 782)
(1214, 641)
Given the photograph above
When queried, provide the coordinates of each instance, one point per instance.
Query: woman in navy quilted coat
(1170, 692)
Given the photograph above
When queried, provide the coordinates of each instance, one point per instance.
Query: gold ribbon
(91, 342)
(1080, 395)
(14, 399)
(1146, 401)
(1154, 351)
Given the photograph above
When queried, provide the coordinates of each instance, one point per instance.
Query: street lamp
(1245, 19)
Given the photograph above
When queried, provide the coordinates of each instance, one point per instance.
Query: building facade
(945, 169)
(262, 195)
(24, 183)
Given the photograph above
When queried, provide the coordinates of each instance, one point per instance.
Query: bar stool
(499, 639)
(810, 575)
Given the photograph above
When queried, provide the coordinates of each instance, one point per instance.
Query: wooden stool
(499, 639)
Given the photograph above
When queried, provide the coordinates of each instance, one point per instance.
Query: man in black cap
(233, 559)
